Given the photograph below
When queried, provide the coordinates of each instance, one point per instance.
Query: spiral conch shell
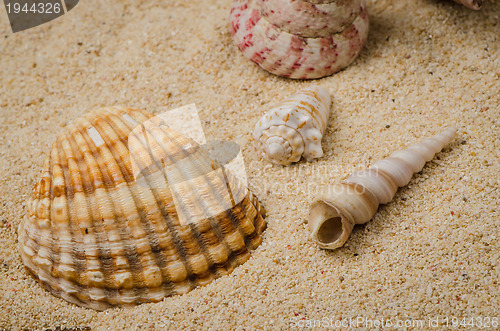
(355, 201)
(294, 127)
(128, 211)
(302, 39)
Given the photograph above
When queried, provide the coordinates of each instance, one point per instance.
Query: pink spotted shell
(301, 39)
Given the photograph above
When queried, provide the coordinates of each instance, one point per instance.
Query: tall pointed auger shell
(300, 39)
(128, 211)
(355, 201)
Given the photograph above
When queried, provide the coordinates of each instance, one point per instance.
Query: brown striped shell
(128, 211)
(355, 201)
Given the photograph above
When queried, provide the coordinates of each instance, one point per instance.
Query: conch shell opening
(332, 228)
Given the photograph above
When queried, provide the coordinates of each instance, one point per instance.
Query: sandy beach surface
(429, 256)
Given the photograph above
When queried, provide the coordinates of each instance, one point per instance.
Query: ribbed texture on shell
(356, 200)
(103, 227)
(296, 124)
(300, 39)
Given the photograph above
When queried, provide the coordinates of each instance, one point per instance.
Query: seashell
(471, 4)
(128, 211)
(355, 201)
(294, 127)
(301, 39)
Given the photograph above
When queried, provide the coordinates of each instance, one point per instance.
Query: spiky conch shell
(300, 39)
(294, 127)
(355, 201)
(128, 211)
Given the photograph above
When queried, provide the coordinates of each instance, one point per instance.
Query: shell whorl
(294, 127)
(307, 19)
(128, 211)
(300, 39)
(355, 201)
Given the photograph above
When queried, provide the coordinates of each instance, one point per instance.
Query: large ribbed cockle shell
(355, 201)
(294, 127)
(301, 39)
(128, 211)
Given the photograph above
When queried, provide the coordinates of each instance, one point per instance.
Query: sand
(432, 253)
